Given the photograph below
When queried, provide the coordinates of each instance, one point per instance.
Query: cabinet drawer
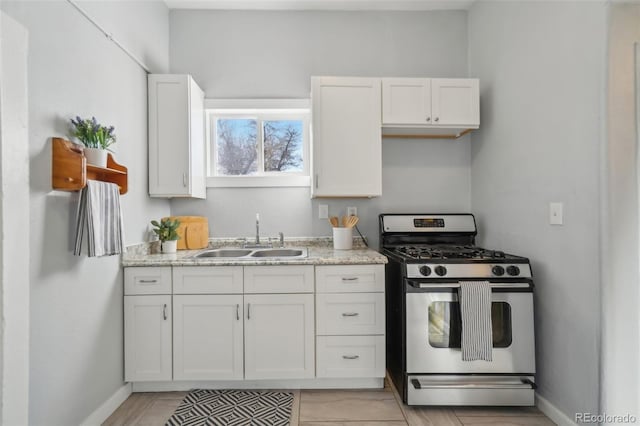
(349, 278)
(147, 280)
(278, 279)
(350, 356)
(207, 280)
(343, 314)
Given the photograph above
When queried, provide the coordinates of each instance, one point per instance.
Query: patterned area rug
(233, 408)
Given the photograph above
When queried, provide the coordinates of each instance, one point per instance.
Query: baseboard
(103, 412)
(551, 411)
(361, 383)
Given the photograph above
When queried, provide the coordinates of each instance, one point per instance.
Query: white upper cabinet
(347, 143)
(176, 137)
(438, 106)
(406, 101)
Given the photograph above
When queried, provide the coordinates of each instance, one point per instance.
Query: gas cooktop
(432, 246)
(453, 252)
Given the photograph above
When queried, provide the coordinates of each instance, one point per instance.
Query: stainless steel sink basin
(279, 253)
(223, 253)
(248, 254)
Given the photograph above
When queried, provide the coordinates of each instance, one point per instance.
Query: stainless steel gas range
(430, 255)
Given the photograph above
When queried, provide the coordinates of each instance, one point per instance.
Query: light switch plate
(352, 211)
(556, 214)
(323, 211)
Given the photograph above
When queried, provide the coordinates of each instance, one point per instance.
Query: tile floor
(379, 407)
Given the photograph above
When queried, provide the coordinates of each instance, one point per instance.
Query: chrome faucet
(257, 243)
(257, 229)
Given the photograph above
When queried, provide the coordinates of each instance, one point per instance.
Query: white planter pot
(96, 156)
(170, 246)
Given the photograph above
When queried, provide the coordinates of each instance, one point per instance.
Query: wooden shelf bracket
(70, 171)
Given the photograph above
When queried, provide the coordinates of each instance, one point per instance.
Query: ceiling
(320, 4)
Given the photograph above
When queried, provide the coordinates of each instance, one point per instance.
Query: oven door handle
(457, 285)
(498, 384)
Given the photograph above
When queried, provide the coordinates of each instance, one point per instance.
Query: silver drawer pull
(147, 281)
(350, 279)
(248, 311)
(350, 356)
(237, 312)
(350, 314)
(164, 311)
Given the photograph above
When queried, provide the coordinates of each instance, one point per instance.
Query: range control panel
(468, 270)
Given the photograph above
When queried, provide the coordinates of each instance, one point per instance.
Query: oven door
(433, 327)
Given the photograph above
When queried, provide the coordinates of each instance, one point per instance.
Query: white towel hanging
(99, 210)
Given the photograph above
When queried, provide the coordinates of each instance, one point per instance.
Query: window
(258, 143)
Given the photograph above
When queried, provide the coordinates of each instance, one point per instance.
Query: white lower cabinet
(271, 322)
(350, 356)
(147, 338)
(279, 336)
(350, 321)
(207, 337)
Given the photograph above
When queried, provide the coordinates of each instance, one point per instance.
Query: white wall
(239, 54)
(14, 224)
(76, 302)
(620, 293)
(541, 68)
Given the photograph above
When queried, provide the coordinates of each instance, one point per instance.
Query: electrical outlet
(323, 211)
(555, 214)
(352, 211)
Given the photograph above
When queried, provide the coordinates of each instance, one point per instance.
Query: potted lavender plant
(95, 137)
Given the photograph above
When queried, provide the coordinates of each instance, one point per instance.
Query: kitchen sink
(269, 253)
(279, 253)
(223, 253)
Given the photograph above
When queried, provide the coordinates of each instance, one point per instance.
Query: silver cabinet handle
(316, 181)
(437, 119)
(164, 311)
(237, 312)
(428, 118)
(350, 314)
(350, 279)
(350, 356)
(147, 281)
(248, 311)
(184, 179)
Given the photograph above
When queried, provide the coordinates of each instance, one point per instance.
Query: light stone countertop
(320, 252)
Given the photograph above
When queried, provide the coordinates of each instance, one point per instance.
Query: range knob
(425, 270)
(498, 270)
(513, 270)
(441, 271)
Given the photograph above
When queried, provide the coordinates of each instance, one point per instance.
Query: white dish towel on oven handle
(475, 309)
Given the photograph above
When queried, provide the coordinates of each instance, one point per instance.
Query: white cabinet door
(278, 279)
(176, 137)
(350, 356)
(455, 102)
(347, 142)
(147, 280)
(279, 336)
(207, 337)
(147, 338)
(406, 101)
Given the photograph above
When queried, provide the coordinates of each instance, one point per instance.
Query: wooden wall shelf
(70, 171)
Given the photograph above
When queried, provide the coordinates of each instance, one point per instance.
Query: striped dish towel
(99, 211)
(475, 309)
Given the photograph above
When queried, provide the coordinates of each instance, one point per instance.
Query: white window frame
(299, 109)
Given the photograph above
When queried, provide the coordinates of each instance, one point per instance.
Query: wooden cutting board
(193, 232)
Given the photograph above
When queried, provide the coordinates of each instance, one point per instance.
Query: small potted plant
(167, 231)
(95, 137)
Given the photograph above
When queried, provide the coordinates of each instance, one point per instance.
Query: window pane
(283, 146)
(237, 146)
